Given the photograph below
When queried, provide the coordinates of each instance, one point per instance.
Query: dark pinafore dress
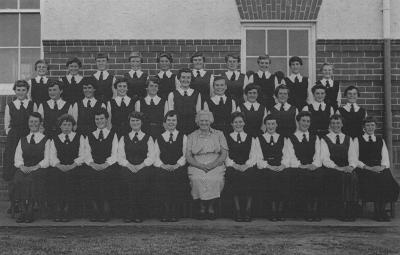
(50, 120)
(254, 120)
(72, 92)
(85, 122)
(136, 86)
(39, 92)
(202, 85)
(186, 108)
(153, 117)
(166, 86)
(352, 122)
(286, 121)
(267, 89)
(222, 115)
(119, 117)
(298, 92)
(319, 120)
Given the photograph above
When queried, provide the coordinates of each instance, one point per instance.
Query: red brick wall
(278, 9)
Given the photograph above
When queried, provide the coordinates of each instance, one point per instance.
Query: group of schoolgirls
(106, 140)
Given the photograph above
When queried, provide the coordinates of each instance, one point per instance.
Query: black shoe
(238, 217)
(317, 218)
(247, 217)
(173, 219)
(29, 218)
(127, 220)
(201, 216)
(164, 219)
(385, 217)
(211, 216)
(137, 220)
(20, 219)
(273, 219)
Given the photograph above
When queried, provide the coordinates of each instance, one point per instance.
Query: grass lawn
(266, 239)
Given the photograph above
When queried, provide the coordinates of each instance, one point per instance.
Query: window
(20, 40)
(280, 41)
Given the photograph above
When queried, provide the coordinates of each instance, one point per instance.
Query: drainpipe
(387, 79)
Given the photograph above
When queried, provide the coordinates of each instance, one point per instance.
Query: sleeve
(238, 108)
(114, 151)
(234, 107)
(277, 82)
(7, 119)
(53, 154)
(30, 89)
(222, 141)
(353, 153)
(165, 107)
(293, 160)
(259, 158)
(317, 154)
(198, 104)
(137, 106)
(385, 156)
(109, 125)
(229, 162)
(211, 85)
(157, 160)
(189, 145)
(182, 160)
(71, 111)
(88, 149)
(246, 81)
(114, 90)
(253, 153)
(171, 101)
(205, 107)
(177, 83)
(250, 80)
(82, 152)
(121, 153)
(18, 160)
(339, 97)
(332, 111)
(40, 110)
(46, 161)
(305, 108)
(310, 97)
(103, 105)
(75, 111)
(150, 153)
(286, 157)
(325, 155)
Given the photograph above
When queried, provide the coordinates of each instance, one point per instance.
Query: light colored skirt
(206, 186)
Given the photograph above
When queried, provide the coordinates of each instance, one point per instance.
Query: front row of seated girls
(114, 174)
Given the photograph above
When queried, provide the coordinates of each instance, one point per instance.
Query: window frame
(6, 88)
(279, 25)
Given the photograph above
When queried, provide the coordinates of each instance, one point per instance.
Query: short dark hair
(351, 87)
(326, 64)
(41, 61)
(89, 81)
(51, 83)
(302, 114)
(295, 59)
(165, 55)
(270, 117)
(74, 60)
(236, 114)
(184, 70)
(21, 83)
(318, 86)
(153, 79)
(101, 55)
(36, 115)
(170, 114)
(218, 78)
(66, 117)
(336, 117)
(197, 54)
(120, 80)
(279, 88)
(251, 86)
(232, 56)
(101, 111)
(369, 119)
(136, 115)
(263, 57)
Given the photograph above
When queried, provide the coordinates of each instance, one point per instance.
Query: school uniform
(166, 83)
(339, 150)
(304, 149)
(320, 114)
(100, 186)
(31, 150)
(241, 151)
(202, 82)
(136, 148)
(51, 110)
(222, 107)
(104, 85)
(299, 90)
(119, 109)
(272, 150)
(333, 93)
(66, 149)
(254, 114)
(376, 187)
(38, 91)
(73, 88)
(267, 83)
(187, 103)
(16, 126)
(235, 82)
(84, 113)
(172, 186)
(353, 116)
(286, 118)
(154, 109)
(136, 84)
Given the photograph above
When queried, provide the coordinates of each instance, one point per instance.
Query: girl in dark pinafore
(136, 78)
(73, 82)
(166, 76)
(136, 157)
(38, 92)
(103, 79)
(202, 80)
(235, 80)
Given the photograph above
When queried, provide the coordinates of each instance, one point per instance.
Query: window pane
(8, 65)
(279, 64)
(28, 58)
(277, 42)
(8, 30)
(29, 4)
(298, 43)
(255, 42)
(8, 4)
(251, 64)
(30, 30)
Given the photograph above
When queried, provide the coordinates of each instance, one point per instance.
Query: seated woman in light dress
(206, 153)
